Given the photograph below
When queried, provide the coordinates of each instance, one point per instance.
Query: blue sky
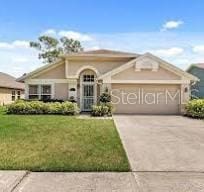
(172, 29)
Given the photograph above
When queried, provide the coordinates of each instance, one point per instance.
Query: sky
(170, 29)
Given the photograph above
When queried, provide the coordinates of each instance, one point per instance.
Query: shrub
(105, 97)
(3, 110)
(195, 108)
(44, 100)
(52, 100)
(102, 110)
(39, 107)
(69, 108)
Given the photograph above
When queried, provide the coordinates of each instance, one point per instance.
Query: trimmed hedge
(195, 108)
(103, 109)
(39, 107)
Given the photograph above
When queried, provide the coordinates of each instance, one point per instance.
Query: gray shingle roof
(8, 81)
(106, 51)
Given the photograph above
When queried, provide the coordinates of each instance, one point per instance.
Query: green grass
(59, 143)
(2, 110)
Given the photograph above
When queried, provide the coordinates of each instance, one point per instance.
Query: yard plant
(104, 107)
(40, 107)
(195, 108)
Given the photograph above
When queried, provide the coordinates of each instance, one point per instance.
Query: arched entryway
(88, 89)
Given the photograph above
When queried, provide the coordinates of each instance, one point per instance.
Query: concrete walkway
(10, 179)
(71, 182)
(101, 182)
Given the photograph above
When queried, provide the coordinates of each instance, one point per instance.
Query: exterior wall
(100, 65)
(61, 91)
(6, 96)
(199, 86)
(185, 96)
(131, 74)
(55, 73)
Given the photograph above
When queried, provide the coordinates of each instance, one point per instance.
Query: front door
(88, 90)
(88, 96)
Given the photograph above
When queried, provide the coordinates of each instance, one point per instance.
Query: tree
(50, 48)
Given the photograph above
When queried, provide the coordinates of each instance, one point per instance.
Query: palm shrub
(104, 108)
(195, 108)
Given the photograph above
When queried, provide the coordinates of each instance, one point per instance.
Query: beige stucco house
(10, 90)
(139, 84)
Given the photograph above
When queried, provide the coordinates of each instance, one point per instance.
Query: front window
(88, 78)
(18, 94)
(33, 92)
(40, 92)
(13, 95)
(45, 92)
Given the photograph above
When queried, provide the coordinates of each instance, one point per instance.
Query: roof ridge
(107, 51)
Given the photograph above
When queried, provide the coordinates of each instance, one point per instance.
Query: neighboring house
(198, 71)
(10, 90)
(140, 84)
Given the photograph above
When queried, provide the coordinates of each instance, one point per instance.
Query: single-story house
(139, 84)
(197, 89)
(10, 89)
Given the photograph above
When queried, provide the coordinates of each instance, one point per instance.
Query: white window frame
(18, 94)
(13, 95)
(39, 90)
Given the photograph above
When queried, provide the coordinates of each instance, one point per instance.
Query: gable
(102, 66)
(57, 72)
(145, 74)
(152, 63)
(107, 67)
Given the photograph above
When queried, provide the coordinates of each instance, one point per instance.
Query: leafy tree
(50, 48)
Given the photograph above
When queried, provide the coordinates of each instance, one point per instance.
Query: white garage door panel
(146, 99)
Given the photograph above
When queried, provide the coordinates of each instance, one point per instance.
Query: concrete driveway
(162, 143)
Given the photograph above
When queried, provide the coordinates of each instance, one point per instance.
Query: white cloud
(4, 45)
(21, 44)
(198, 49)
(17, 58)
(171, 25)
(93, 48)
(67, 33)
(14, 44)
(20, 59)
(49, 32)
(170, 52)
(75, 35)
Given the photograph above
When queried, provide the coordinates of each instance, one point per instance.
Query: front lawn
(59, 143)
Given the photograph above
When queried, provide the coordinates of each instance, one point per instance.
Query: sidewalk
(14, 181)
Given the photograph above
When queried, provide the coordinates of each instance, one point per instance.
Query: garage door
(146, 99)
